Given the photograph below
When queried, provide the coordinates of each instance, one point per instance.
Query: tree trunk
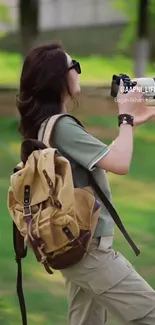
(142, 43)
(28, 20)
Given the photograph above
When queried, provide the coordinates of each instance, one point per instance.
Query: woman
(103, 280)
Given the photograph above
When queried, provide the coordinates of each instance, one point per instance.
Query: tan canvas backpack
(54, 219)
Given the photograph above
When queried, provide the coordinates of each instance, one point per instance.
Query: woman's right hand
(133, 103)
(127, 103)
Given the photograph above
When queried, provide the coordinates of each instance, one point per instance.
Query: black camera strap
(113, 213)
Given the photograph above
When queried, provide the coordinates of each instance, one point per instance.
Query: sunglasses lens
(77, 67)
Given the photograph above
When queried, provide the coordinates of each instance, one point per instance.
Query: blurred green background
(133, 194)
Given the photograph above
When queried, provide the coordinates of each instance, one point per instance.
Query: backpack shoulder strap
(21, 252)
(51, 124)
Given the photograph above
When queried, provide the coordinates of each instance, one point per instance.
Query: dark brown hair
(42, 83)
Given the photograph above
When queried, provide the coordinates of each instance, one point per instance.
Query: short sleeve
(78, 144)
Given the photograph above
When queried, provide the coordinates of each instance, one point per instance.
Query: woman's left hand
(143, 113)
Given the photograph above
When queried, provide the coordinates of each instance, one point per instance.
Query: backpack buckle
(73, 241)
(27, 211)
(27, 207)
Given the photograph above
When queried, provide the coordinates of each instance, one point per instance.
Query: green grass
(134, 197)
(95, 69)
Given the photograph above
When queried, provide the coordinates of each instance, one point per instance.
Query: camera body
(145, 85)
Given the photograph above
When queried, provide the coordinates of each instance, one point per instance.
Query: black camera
(128, 84)
(144, 85)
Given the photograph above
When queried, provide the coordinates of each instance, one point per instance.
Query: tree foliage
(29, 23)
(5, 16)
(130, 9)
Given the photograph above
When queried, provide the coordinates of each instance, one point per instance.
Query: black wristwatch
(125, 119)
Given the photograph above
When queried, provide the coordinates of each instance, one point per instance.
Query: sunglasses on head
(75, 65)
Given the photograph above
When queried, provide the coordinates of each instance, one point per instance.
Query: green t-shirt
(76, 144)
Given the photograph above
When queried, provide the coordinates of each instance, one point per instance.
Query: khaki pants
(105, 280)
